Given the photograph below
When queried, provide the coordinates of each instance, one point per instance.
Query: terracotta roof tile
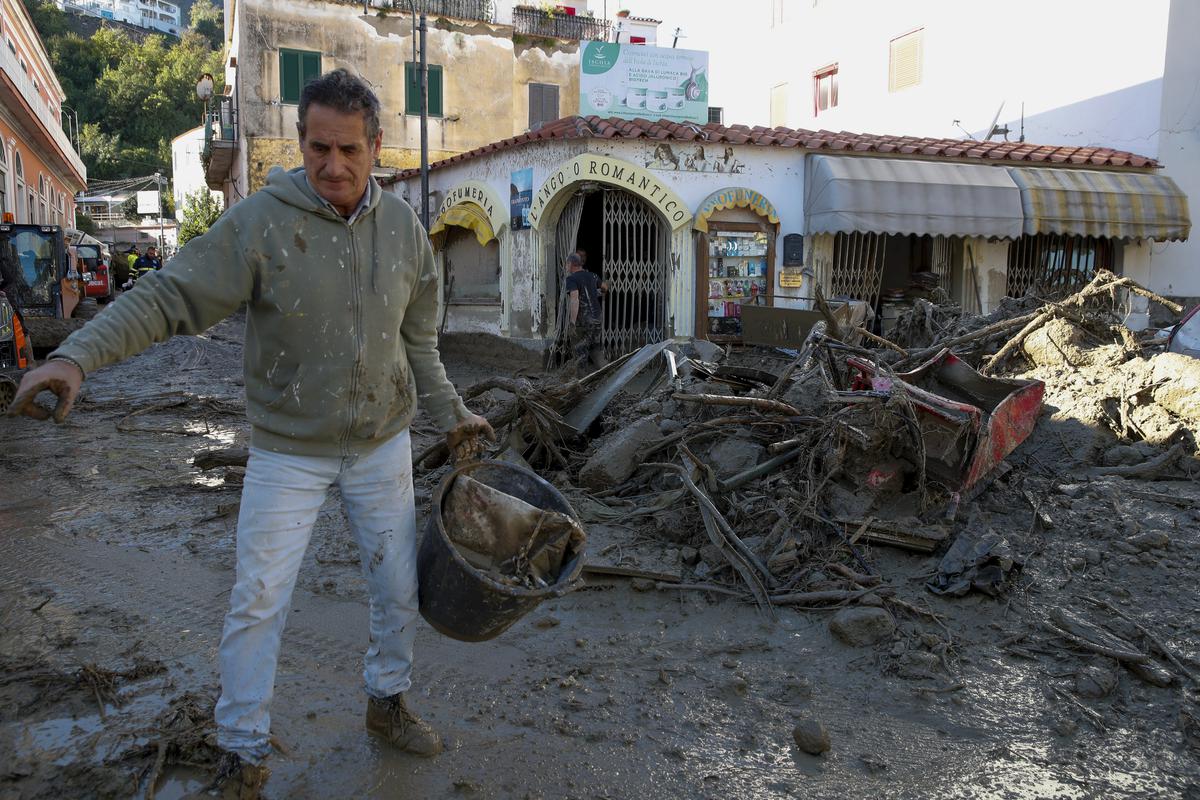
(665, 130)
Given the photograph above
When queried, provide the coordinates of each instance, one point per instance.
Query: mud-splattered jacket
(341, 326)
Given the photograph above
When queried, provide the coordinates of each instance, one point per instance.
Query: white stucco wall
(775, 173)
(1174, 268)
(187, 173)
(1088, 73)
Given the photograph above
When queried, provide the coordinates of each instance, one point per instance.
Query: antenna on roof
(1022, 122)
(992, 129)
(678, 35)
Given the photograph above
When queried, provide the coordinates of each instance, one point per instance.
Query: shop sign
(482, 195)
(613, 172)
(631, 81)
(734, 197)
(469, 193)
(791, 278)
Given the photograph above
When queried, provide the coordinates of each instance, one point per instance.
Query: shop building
(688, 224)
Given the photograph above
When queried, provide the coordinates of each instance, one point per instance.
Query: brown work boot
(391, 719)
(237, 779)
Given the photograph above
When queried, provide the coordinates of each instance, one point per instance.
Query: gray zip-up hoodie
(341, 326)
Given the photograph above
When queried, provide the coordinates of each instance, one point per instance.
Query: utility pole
(424, 132)
(419, 29)
(159, 182)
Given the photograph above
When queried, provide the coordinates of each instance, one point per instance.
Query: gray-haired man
(341, 340)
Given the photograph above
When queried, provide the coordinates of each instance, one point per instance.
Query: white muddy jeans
(280, 500)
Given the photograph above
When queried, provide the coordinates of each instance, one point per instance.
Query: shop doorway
(628, 248)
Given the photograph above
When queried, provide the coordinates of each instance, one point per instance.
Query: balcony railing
(536, 22)
(220, 141)
(48, 117)
(482, 10)
(220, 123)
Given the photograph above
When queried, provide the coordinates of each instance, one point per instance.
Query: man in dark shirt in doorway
(583, 314)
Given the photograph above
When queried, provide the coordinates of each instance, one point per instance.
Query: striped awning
(464, 215)
(1117, 205)
(844, 194)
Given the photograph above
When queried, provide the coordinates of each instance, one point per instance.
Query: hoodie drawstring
(375, 253)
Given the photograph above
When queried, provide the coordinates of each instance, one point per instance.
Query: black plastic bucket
(458, 600)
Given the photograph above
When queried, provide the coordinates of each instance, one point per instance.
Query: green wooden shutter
(289, 76)
(435, 91)
(310, 68)
(412, 91)
(412, 102)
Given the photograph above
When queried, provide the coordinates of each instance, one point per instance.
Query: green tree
(85, 223)
(208, 20)
(132, 97)
(200, 211)
(48, 18)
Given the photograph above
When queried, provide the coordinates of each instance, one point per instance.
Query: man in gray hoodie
(341, 293)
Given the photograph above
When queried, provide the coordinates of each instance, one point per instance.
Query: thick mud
(116, 559)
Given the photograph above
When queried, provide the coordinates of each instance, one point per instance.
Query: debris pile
(766, 472)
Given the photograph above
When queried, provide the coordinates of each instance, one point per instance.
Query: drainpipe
(422, 73)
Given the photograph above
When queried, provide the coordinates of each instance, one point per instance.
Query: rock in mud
(690, 556)
(618, 455)
(1152, 674)
(1095, 681)
(811, 737)
(1151, 540)
(918, 665)
(732, 456)
(861, 627)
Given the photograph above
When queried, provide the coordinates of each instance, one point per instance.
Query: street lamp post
(73, 119)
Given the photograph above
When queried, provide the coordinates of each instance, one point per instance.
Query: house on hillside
(40, 171)
(152, 15)
(691, 224)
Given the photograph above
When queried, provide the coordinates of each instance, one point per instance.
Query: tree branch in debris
(760, 403)
(1147, 469)
(721, 534)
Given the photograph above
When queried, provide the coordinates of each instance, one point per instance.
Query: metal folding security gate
(1050, 262)
(636, 253)
(941, 260)
(857, 266)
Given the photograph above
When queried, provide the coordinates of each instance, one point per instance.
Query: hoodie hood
(292, 187)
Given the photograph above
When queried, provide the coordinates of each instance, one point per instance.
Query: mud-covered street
(116, 560)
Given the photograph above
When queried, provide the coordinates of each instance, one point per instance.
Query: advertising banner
(520, 197)
(633, 80)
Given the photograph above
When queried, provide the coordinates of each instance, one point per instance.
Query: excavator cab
(40, 281)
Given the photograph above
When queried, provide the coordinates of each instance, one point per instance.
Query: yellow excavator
(41, 290)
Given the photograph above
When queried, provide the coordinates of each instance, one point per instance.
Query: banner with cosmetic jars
(633, 80)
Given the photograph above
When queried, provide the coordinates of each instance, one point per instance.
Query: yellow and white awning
(1117, 205)
(464, 215)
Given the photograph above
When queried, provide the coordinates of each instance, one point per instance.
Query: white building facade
(1062, 73)
(155, 15)
(187, 169)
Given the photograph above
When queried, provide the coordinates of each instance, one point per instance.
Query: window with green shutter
(296, 68)
(412, 94)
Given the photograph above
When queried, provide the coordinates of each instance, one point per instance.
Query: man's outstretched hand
(466, 439)
(58, 376)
